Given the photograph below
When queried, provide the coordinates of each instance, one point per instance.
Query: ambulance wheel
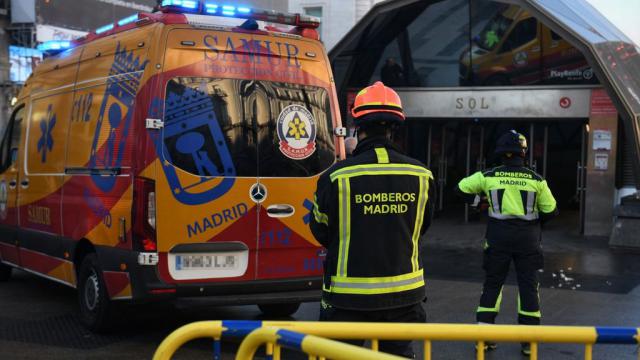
(93, 299)
(279, 310)
(5, 272)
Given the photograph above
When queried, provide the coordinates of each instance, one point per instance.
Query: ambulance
(173, 154)
(514, 48)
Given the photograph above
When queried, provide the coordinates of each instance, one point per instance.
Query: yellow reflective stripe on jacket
(320, 217)
(377, 169)
(377, 285)
(344, 206)
(511, 197)
(422, 203)
(383, 155)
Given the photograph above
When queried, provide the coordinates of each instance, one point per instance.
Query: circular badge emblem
(565, 102)
(521, 59)
(297, 132)
(3, 200)
(258, 193)
(587, 74)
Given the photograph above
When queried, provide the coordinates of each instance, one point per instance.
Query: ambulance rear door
(206, 216)
(292, 98)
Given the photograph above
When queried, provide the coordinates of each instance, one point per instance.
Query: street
(38, 316)
(168, 157)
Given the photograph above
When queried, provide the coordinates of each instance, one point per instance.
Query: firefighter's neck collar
(372, 142)
(513, 161)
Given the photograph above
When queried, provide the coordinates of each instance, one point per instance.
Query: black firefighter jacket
(369, 212)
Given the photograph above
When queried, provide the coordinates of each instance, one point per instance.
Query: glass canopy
(451, 43)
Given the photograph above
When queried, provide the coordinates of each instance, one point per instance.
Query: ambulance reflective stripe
(320, 217)
(377, 285)
(345, 225)
(376, 169)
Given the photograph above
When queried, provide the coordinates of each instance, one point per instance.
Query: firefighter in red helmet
(370, 212)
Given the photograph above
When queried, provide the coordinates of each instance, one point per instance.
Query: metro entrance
(455, 148)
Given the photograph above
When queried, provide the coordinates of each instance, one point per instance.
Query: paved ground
(583, 283)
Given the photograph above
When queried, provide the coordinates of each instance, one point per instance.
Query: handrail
(186, 333)
(396, 331)
(312, 345)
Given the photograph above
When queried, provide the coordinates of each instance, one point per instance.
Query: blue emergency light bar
(182, 5)
(104, 29)
(209, 7)
(128, 20)
(54, 46)
(216, 8)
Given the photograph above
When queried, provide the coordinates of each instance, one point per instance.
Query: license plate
(207, 262)
(210, 265)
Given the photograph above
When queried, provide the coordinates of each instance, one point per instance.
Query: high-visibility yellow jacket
(370, 212)
(518, 199)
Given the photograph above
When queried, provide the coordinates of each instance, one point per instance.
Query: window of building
(448, 43)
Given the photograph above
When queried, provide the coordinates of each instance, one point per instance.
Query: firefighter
(519, 203)
(370, 212)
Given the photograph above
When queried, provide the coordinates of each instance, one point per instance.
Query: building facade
(469, 70)
(337, 16)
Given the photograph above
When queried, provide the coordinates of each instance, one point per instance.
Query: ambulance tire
(279, 310)
(93, 298)
(5, 272)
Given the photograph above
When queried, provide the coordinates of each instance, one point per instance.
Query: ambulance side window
(524, 32)
(555, 36)
(11, 139)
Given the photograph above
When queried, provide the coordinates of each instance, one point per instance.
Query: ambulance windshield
(237, 127)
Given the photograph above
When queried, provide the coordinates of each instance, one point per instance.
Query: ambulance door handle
(12, 184)
(24, 183)
(280, 210)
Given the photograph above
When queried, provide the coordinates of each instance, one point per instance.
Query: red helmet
(376, 99)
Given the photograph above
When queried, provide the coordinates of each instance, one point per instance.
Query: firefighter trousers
(496, 265)
(410, 314)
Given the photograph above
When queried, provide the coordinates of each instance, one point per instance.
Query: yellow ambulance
(173, 154)
(514, 48)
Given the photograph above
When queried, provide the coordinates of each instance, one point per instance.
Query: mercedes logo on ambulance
(258, 193)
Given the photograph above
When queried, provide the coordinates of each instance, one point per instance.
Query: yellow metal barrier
(309, 344)
(421, 332)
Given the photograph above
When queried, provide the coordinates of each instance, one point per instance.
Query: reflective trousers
(496, 266)
(410, 314)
